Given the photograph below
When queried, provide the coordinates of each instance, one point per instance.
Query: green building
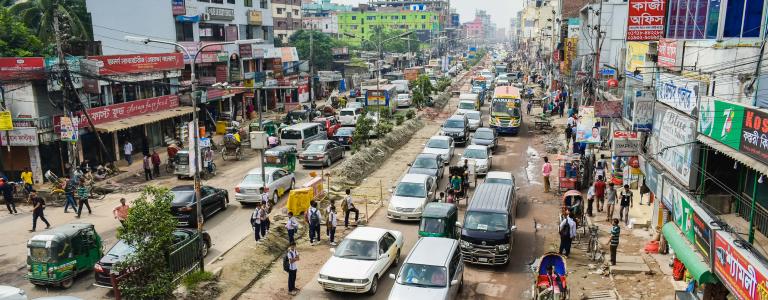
(356, 26)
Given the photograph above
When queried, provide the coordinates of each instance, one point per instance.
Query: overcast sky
(500, 10)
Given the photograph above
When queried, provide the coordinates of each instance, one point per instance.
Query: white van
(300, 135)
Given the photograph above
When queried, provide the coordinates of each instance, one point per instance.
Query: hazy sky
(500, 10)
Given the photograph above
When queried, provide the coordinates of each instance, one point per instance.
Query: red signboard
(22, 68)
(741, 271)
(624, 134)
(178, 7)
(646, 20)
(754, 134)
(104, 114)
(139, 63)
(667, 50)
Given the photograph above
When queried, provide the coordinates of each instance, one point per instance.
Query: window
(423, 26)
(700, 19)
(402, 17)
(231, 1)
(288, 15)
(423, 17)
(454, 264)
(370, 18)
(184, 32)
(295, 12)
(264, 4)
(211, 32)
(248, 3)
(354, 17)
(280, 10)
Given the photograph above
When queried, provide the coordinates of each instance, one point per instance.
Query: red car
(331, 124)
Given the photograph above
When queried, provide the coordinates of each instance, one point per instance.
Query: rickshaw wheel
(223, 154)
(67, 283)
(239, 155)
(534, 292)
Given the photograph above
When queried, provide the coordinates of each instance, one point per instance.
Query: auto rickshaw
(269, 126)
(184, 168)
(439, 220)
(56, 256)
(281, 157)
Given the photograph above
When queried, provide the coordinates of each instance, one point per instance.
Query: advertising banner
(586, 132)
(178, 7)
(73, 65)
(139, 63)
(608, 109)
(571, 44)
(22, 68)
(702, 231)
(754, 134)
(636, 52)
(678, 92)
(742, 271)
(104, 114)
(289, 54)
(19, 137)
(645, 21)
(642, 118)
(219, 13)
(681, 207)
(68, 128)
(6, 120)
(668, 54)
(625, 143)
(721, 121)
(673, 140)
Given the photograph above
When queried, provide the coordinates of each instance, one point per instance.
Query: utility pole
(597, 43)
(71, 155)
(311, 66)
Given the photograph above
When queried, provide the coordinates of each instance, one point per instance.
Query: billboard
(22, 68)
(673, 138)
(645, 21)
(139, 63)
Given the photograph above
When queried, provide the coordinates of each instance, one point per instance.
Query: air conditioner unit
(205, 17)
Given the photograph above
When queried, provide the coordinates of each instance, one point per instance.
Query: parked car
(428, 164)
(182, 256)
(487, 234)
(404, 100)
(278, 180)
(331, 124)
(348, 116)
(485, 137)
(480, 157)
(12, 293)
(411, 194)
(500, 178)
(360, 260)
(475, 119)
(344, 136)
(321, 153)
(183, 204)
(358, 103)
(433, 270)
(466, 105)
(457, 127)
(442, 145)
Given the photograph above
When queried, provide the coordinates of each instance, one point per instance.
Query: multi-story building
(442, 8)
(327, 24)
(323, 8)
(356, 26)
(287, 17)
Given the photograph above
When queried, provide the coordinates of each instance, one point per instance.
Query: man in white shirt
(291, 225)
(293, 257)
(256, 218)
(350, 205)
(128, 151)
(331, 224)
(567, 233)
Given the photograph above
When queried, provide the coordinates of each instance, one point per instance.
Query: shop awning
(143, 119)
(686, 253)
(735, 154)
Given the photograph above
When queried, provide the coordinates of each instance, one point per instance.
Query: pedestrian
(256, 222)
(562, 107)
(69, 194)
(644, 190)
(331, 223)
(38, 206)
(26, 179)
(156, 163)
(546, 170)
(590, 199)
(293, 257)
(128, 151)
(313, 218)
(82, 197)
(567, 233)
(599, 193)
(147, 168)
(266, 208)
(568, 132)
(600, 170)
(571, 121)
(7, 189)
(350, 205)
(291, 225)
(528, 107)
(610, 196)
(615, 231)
(625, 204)
(209, 160)
(121, 211)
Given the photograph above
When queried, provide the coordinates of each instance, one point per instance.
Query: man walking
(528, 107)
(599, 193)
(256, 222)
(350, 205)
(26, 178)
(313, 218)
(69, 193)
(567, 233)
(615, 231)
(121, 211)
(7, 189)
(156, 163)
(293, 257)
(82, 197)
(590, 199)
(546, 170)
(128, 151)
(610, 196)
(147, 168)
(291, 225)
(331, 224)
(38, 205)
(625, 204)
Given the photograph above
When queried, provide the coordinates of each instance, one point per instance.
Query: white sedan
(404, 100)
(360, 260)
(479, 157)
(278, 180)
(442, 145)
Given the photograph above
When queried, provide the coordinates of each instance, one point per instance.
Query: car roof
(487, 198)
(432, 251)
(417, 178)
(437, 209)
(61, 233)
(349, 108)
(499, 174)
(480, 147)
(457, 117)
(428, 155)
(366, 233)
(484, 129)
(440, 137)
(267, 170)
(319, 142)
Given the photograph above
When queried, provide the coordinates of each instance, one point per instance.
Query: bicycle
(170, 167)
(593, 249)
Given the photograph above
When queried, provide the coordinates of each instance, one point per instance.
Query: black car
(457, 127)
(184, 242)
(344, 136)
(183, 204)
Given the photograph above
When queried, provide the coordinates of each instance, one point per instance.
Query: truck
(382, 96)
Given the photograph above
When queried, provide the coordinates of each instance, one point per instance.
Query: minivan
(433, 270)
(300, 135)
(488, 231)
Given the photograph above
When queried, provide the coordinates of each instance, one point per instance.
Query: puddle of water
(531, 171)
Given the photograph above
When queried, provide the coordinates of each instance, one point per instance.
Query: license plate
(341, 139)
(311, 157)
(482, 259)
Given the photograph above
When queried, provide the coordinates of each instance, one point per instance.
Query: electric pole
(311, 65)
(597, 42)
(63, 76)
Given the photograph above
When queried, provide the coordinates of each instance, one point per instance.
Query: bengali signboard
(642, 114)
(586, 132)
(754, 134)
(678, 92)
(219, 13)
(702, 231)
(139, 63)
(19, 137)
(667, 52)
(645, 21)
(254, 17)
(22, 68)
(673, 139)
(6, 120)
(104, 114)
(722, 121)
(608, 109)
(178, 7)
(636, 52)
(571, 44)
(741, 270)
(625, 143)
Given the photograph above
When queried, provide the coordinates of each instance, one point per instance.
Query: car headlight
(504, 247)
(465, 244)
(323, 276)
(360, 280)
(392, 207)
(417, 209)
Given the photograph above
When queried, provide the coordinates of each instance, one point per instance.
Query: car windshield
(40, 254)
(183, 197)
(182, 159)
(425, 162)
(473, 115)
(411, 189)
(438, 144)
(454, 124)
(120, 249)
(347, 113)
(484, 135)
(476, 153)
(504, 108)
(345, 132)
(499, 180)
(252, 179)
(423, 276)
(432, 225)
(291, 134)
(466, 105)
(486, 221)
(357, 249)
(316, 147)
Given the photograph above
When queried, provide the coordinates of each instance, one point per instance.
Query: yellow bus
(506, 110)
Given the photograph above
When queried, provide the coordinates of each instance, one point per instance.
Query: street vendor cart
(570, 172)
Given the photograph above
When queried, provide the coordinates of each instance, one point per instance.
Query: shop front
(740, 267)
(19, 151)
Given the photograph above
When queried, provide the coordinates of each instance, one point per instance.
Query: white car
(411, 194)
(348, 116)
(278, 180)
(12, 293)
(404, 100)
(360, 260)
(433, 270)
(442, 145)
(479, 158)
(475, 119)
(500, 177)
(465, 106)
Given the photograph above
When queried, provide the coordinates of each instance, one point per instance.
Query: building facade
(287, 18)
(356, 26)
(327, 24)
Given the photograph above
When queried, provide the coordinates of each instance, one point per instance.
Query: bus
(506, 110)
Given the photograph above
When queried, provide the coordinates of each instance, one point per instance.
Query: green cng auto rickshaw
(439, 220)
(269, 126)
(56, 256)
(281, 157)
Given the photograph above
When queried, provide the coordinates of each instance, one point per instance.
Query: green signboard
(721, 121)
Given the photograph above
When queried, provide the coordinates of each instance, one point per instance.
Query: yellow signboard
(6, 121)
(636, 52)
(569, 54)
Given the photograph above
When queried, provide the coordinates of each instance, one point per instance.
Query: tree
(362, 131)
(38, 15)
(422, 88)
(15, 38)
(149, 230)
(321, 47)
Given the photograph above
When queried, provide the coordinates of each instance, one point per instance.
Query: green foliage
(385, 112)
(363, 127)
(192, 279)
(321, 47)
(16, 40)
(443, 84)
(394, 44)
(410, 114)
(418, 98)
(383, 128)
(149, 230)
(38, 15)
(422, 88)
(399, 119)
